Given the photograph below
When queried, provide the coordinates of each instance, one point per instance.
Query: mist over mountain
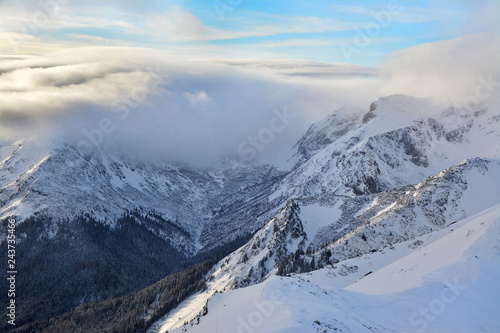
(359, 181)
(157, 106)
(249, 166)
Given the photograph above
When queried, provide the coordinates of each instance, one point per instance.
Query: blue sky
(327, 31)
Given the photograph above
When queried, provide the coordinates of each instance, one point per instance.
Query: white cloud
(176, 24)
(198, 98)
(304, 68)
(90, 39)
(30, 18)
(450, 69)
(198, 111)
(252, 24)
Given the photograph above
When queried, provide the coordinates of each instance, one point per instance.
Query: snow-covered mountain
(401, 140)
(368, 187)
(364, 185)
(398, 141)
(99, 225)
(335, 232)
(61, 182)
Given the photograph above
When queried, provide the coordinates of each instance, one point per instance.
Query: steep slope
(439, 293)
(411, 211)
(321, 134)
(306, 235)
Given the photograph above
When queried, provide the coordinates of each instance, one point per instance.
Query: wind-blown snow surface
(450, 284)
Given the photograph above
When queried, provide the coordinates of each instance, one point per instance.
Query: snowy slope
(409, 272)
(249, 264)
(445, 294)
(410, 211)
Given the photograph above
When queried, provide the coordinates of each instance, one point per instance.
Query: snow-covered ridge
(348, 227)
(394, 144)
(440, 293)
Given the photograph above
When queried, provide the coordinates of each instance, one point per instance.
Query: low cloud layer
(451, 70)
(156, 105)
(159, 106)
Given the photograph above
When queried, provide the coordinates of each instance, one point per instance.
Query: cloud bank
(159, 106)
(155, 104)
(451, 70)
